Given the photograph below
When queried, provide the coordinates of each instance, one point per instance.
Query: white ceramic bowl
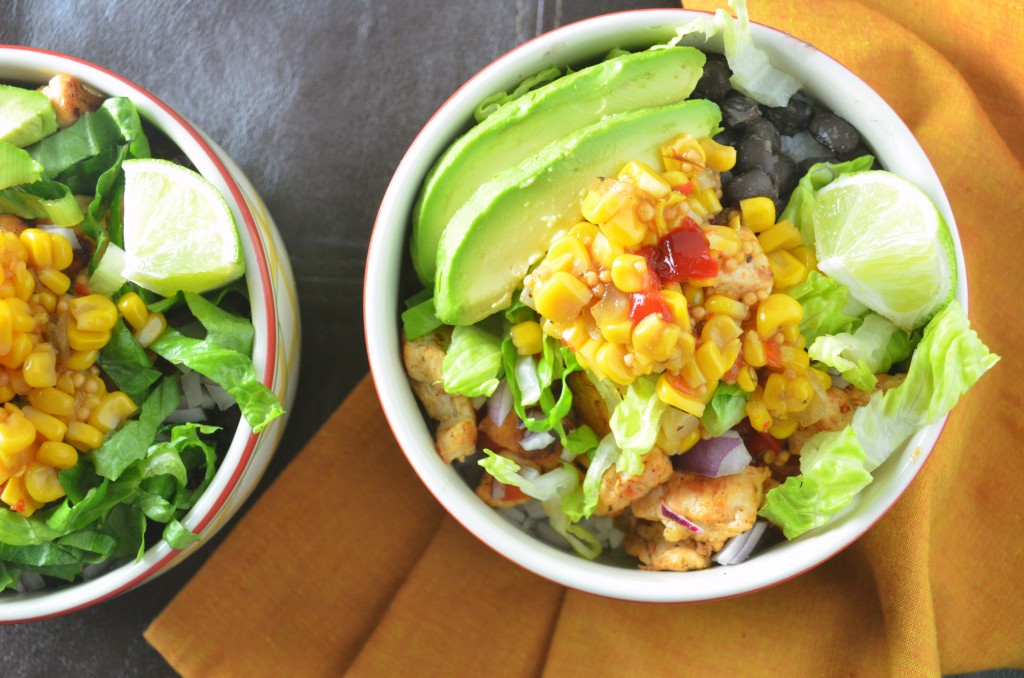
(275, 316)
(577, 44)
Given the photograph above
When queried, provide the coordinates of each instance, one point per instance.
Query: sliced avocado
(507, 225)
(524, 126)
(26, 116)
(17, 166)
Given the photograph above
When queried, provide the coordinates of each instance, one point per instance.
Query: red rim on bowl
(258, 278)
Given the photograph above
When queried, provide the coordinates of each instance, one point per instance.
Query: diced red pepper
(643, 304)
(686, 189)
(772, 354)
(682, 254)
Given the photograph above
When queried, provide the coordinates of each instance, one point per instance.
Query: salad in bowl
(139, 403)
(683, 308)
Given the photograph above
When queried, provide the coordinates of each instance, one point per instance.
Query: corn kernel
(154, 327)
(47, 425)
(39, 246)
(775, 311)
(655, 338)
(559, 298)
(605, 250)
(16, 496)
(24, 283)
(624, 227)
(670, 395)
(680, 310)
(583, 231)
(52, 401)
(54, 280)
(574, 336)
(22, 319)
(629, 272)
(694, 294)
(806, 256)
(93, 313)
(710, 361)
(792, 357)
(610, 361)
(645, 178)
(723, 239)
(47, 300)
(709, 200)
(720, 157)
(786, 269)
(85, 340)
(22, 345)
(41, 483)
(57, 454)
(757, 412)
(731, 352)
(574, 249)
(682, 150)
(586, 355)
(116, 407)
(747, 379)
(80, 361)
(758, 214)
(782, 236)
(720, 304)
(618, 331)
(6, 327)
(775, 393)
(83, 437)
(527, 337)
(16, 432)
(63, 254)
(783, 428)
(689, 441)
(133, 310)
(720, 329)
(40, 367)
(602, 202)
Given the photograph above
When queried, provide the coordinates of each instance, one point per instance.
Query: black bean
(765, 130)
(714, 83)
(749, 185)
(754, 152)
(834, 133)
(784, 175)
(791, 118)
(739, 110)
(728, 137)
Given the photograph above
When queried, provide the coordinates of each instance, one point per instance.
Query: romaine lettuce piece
(727, 408)
(824, 301)
(870, 350)
(801, 201)
(634, 424)
(472, 363)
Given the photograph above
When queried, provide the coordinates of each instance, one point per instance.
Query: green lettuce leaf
(553, 484)
(472, 364)
(17, 166)
(727, 408)
(419, 319)
(832, 472)
(634, 424)
(825, 302)
(125, 361)
(606, 454)
(42, 200)
(949, 359)
(858, 357)
(131, 442)
(554, 364)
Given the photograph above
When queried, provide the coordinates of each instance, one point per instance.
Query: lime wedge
(884, 239)
(179, 233)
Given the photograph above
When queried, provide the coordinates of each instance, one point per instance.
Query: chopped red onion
(739, 548)
(500, 403)
(721, 456)
(682, 520)
(537, 440)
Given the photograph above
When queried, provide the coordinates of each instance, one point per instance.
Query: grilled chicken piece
(70, 98)
(717, 508)
(753, 275)
(454, 414)
(619, 491)
(646, 541)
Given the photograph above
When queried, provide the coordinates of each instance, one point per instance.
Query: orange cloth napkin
(347, 565)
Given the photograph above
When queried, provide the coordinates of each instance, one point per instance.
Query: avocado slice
(507, 225)
(523, 127)
(26, 116)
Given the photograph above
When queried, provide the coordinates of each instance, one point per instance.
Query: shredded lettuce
(727, 408)
(41, 200)
(824, 301)
(17, 166)
(801, 201)
(835, 466)
(606, 454)
(553, 484)
(420, 319)
(472, 364)
(635, 424)
(554, 365)
(872, 349)
(752, 72)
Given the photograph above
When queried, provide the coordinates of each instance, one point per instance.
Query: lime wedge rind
(884, 239)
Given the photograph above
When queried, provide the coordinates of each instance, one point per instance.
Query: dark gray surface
(316, 102)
